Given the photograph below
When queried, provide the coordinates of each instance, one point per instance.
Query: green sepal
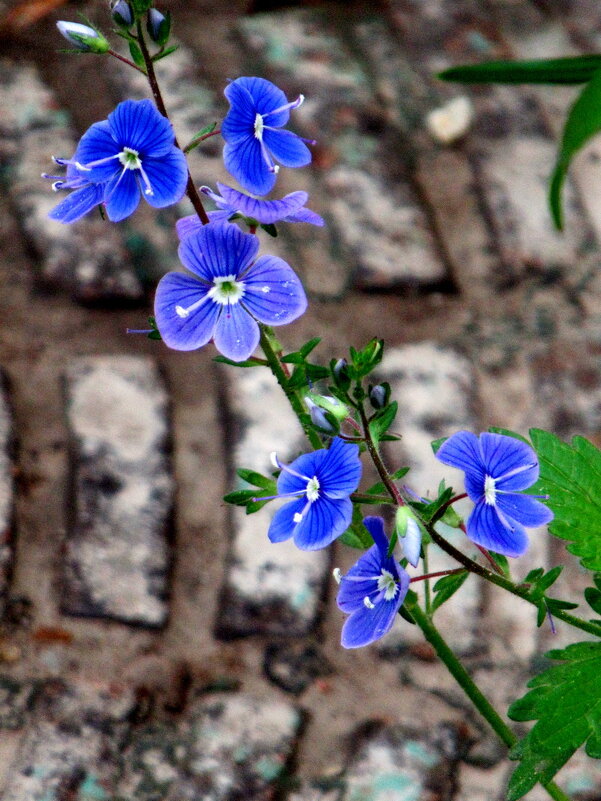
(568, 70)
(446, 587)
(367, 358)
(583, 122)
(136, 54)
(435, 444)
(428, 511)
(155, 333)
(410, 601)
(270, 229)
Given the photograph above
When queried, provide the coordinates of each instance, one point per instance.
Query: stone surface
(7, 500)
(88, 259)
(117, 555)
(268, 588)
(71, 749)
(293, 666)
(15, 698)
(374, 213)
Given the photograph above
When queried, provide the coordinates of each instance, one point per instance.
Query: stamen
(368, 603)
(294, 104)
(490, 493)
(516, 471)
(184, 312)
(337, 573)
(298, 516)
(149, 190)
(91, 164)
(285, 467)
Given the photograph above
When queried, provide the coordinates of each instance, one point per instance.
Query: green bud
(83, 37)
(332, 405)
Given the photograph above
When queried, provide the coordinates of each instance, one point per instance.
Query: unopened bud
(340, 371)
(408, 528)
(83, 37)
(322, 419)
(158, 26)
(332, 405)
(379, 395)
(121, 13)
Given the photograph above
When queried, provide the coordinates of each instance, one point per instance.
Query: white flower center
(227, 290)
(490, 493)
(312, 489)
(387, 583)
(130, 159)
(259, 125)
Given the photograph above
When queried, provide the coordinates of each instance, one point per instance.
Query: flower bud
(379, 395)
(158, 26)
(340, 372)
(322, 419)
(332, 405)
(408, 528)
(121, 13)
(83, 37)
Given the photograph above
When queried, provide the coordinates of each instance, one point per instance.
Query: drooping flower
(131, 154)
(228, 295)
(254, 135)
(321, 483)
(497, 469)
(372, 591)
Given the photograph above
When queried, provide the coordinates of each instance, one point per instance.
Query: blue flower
(321, 483)
(253, 136)
(372, 591)
(132, 153)
(228, 293)
(497, 468)
(84, 198)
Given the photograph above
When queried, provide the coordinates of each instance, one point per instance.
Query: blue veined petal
(375, 526)
(365, 626)
(485, 528)
(236, 334)
(191, 224)
(282, 523)
(245, 162)
(96, 144)
(505, 455)
(265, 211)
(524, 508)
(474, 484)
(340, 472)
(351, 593)
(138, 124)
(266, 98)
(218, 249)
(121, 196)
(273, 292)
(168, 176)
(287, 148)
(462, 450)
(184, 333)
(305, 216)
(322, 523)
(77, 203)
(239, 122)
(305, 465)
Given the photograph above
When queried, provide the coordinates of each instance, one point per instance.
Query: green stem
(378, 461)
(293, 399)
(191, 190)
(427, 593)
(471, 689)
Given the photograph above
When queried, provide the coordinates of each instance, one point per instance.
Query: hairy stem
(471, 689)
(191, 190)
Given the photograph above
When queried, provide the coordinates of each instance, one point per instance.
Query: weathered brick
(89, 258)
(117, 554)
(269, 588)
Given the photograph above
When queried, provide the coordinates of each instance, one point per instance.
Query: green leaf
(565, 701)
(270, 229)
(256, 479)
(583, 122)
(382, 420)
(570, 70)
(380, 489)
(199, 137)
(571, 477)
(357, 536)
(306, 349)
(592, 596)
(507, 433)
(164, 53)
(248, 363)
(446, 587)
(136, 54)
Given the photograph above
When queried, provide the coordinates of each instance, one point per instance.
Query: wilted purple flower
(497, 468)
(228, 293)
(372, 591)
(254, 135)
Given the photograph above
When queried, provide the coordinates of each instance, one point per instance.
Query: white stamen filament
(368, 603)
(337, 573)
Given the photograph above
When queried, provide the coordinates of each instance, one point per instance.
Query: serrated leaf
(569, 70)
(571, 477)
(565, 701)
(507, 433)
(583, 122)
(446, 587)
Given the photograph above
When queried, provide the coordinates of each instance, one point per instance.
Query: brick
(7, 500)
(117, 553)
(269, 588)
(375, 218)
(88, 259)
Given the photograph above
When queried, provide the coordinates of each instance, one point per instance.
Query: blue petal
(340, 473)
(306, 465)
(218, 249)
(287, 148)
(375, 526)
(462, 450)
(77, 203)
(273, 292)
(351, 593)
(121, 196)
(367, 625)
(305, 216)
(187, 225)
(263, 96)
(525, 509)
(139, 125)
(322, 523)
(282, 523)
(236, 334)
(239, 122)
(184, 333)
(265, 211)
(503, 455)
(98, 143)
(412, 542)
(168, 177)
(244, 160)
(485, 528)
